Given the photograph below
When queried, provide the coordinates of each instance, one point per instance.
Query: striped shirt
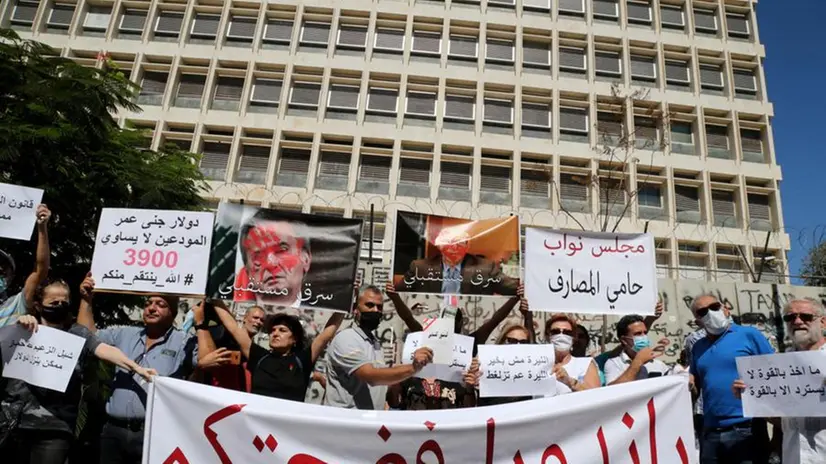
(12, 309)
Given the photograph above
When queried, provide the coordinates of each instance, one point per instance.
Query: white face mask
(562, 342)
(716, 322)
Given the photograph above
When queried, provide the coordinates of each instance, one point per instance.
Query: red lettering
(491, 436)
(430, 446)
(177, 457)
(392, 458)
(681, 451)
(305, 459)
(212, 436)
(517, 458)
(603, 446)
(652, 430)
(554, 451)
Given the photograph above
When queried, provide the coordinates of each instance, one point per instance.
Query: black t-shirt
(286, 377)
(420, 394)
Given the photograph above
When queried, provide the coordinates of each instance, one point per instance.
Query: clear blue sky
(794, 34)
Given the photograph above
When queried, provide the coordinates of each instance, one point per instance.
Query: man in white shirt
(804, 438)
(638, 359)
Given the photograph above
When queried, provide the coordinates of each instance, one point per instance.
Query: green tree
(814, 266)
(60, 133)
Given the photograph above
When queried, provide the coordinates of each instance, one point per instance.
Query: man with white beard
(804, 438)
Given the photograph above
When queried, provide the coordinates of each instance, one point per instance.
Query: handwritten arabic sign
(594, 273)
(460, 256)
(452, 372)
(784, 385)
(152, 251)
(438, 336)
(45, 358)
(284, 259)
(516, 370)
(18, 206)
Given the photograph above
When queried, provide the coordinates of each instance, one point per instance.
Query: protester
(511, 335)
(727, 436)
(356, 375)
(285, 370)
(156, 345)
(572, 373)
(46, 427)
(637, 359)
(602, 358)
(804, 438)
(582, 341)
(430, 393)
(17, 305)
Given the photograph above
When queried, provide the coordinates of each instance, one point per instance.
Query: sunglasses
(568, 332)
(515, 341)
(701, 312)
(372, 305)
(805, 317)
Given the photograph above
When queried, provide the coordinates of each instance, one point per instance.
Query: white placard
(18, 208)
(784, 385)
(152, 251)
(516, 370)
(452, 372)
(45, 358)
(595, 273)
(438, 336)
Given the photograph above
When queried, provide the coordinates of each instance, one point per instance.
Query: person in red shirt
(226, 367)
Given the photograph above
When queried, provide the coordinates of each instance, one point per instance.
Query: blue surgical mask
(641, 342)
(3, 285)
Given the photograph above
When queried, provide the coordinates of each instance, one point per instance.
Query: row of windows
(168, 21)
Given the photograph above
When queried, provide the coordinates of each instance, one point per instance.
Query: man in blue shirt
(727, 437)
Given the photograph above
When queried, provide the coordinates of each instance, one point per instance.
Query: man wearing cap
(15, 306)
(157, 345)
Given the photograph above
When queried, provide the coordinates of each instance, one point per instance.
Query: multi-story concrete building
(471, 108)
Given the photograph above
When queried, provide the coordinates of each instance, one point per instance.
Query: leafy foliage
(814, 266)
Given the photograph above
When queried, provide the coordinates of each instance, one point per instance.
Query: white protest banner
(190, 423)
(589, 272)
(784, 385)
(45, 358)
(438, 336)
(152, 251)
(451, 372)
(516, 370)
(18, 208)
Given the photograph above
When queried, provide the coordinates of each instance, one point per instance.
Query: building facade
(625, 115)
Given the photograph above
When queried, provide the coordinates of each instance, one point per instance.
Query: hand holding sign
(20, 209)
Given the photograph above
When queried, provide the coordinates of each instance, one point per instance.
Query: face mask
(562, 342)
(56, 313)
(715, 322)
(3, 286)
(641, 342)
(369, 321)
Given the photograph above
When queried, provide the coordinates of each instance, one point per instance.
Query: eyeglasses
(372, 305)
(805, 317)
(716, 306)
(558, 331)
(515, 341)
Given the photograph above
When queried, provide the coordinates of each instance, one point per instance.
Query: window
(573, 120)
(215, 156)
(572, 7)
(496, 179)
(572, 59)
(168, 24)
(759, 212)
(646, 133)
(687, 202)
(253, 166)
(644, 68)
(499, 51)
(414, 177)
(744, 82)
(461, 46)
(717, 141)
(682, 138)
(353, 37)
(190, 90)
(343, 97)
(612, 196)
(639, 12)
(606, 9)
(502, 3)
(573, 192)
(228, 93)
(610, 128)
(153, 86)
(672, 17)
(374, 174)
(60, 16)
(334, 168)
(420, 104)
(391, 40)
(536, 116)
(534, 183)
(455, 175)
(536, 5)
(278, 31)
(24, 13)
(498, 111)
(382, 100)
(711, 77)
(705, 21)
(460, 107)
(205, 26)
(722, 205)
(266, 92)
(241, 29)
(304, 94)
(752, 143)
(738, 25)
(293, 165)
(315, 34)
(132, 22)
(536, 54)
(649, 195)
(427, 43)
(677, 73)
(97, 18)
(608, 64)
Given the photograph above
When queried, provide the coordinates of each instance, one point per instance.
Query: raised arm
(323, 339)
(41, 260)
(658, 311)
(85, 315)
(206, 344)
(527, 319)
(402, 309)
(483, 333)
(238, 333)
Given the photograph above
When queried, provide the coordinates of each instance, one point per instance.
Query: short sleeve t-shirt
(286, 377)
(429, 394)
(51, 410)
(616, 366)
(351, 349)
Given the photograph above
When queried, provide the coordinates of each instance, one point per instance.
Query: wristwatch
(202, 326)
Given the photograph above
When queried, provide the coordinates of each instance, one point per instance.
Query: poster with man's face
(280, 259)
(454, 256)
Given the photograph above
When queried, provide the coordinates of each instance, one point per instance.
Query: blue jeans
(745, 443)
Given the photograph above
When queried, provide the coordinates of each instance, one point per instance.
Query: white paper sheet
(454, 371)
(45, 358)
(18, 208)
(784, 385)
(516, 370)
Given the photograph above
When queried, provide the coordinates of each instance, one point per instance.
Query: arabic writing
(789, 384)
(306, 297)
(18, 207)
(572, 248)
(461, 355)
(45, 358)
(516, 370)
(587, 286)
(435, 275)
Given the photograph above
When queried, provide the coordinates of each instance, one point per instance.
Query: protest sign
(647, 421)
(152, 251)
(45, 358)
(784, 385)
(588, 272)
(438, 336)
(516, 370)
(436, 254)
(453, 371)
(18, 210)
(284, 259)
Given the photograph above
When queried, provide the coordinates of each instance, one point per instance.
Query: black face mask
(56, 313)
(369, 321)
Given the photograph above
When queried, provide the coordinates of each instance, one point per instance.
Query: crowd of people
(38, 425)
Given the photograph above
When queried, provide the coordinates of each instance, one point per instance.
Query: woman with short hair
(572, 373)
